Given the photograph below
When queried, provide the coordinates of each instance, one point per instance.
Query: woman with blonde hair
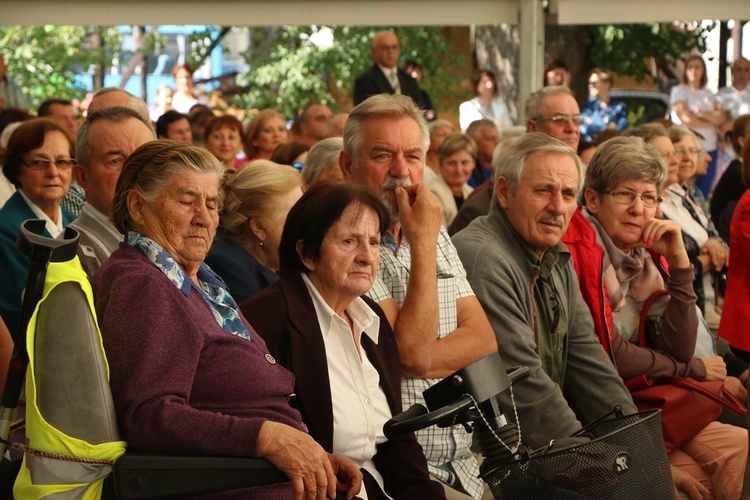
(265, 131)
(245, 252)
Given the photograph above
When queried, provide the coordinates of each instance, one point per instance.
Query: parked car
(643, 105)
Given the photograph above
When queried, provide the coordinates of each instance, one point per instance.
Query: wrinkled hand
(348, 474)
(687, 484)
(420, 214)
(305, 463)
(716, 369)
(665, 238)
(716, 252)
(736, 387)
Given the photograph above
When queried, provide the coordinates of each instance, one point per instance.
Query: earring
(261, 243)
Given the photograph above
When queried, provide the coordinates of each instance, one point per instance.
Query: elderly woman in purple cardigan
(189, 375)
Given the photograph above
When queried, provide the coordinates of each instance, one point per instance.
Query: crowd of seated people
(218, 215)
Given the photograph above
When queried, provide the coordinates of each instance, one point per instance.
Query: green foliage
(201, 43)
(44, 59)
(288, 68)
(624, 48)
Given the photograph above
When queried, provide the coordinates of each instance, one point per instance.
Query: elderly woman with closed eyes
(39, 162)
(188, 373)
(339, 344)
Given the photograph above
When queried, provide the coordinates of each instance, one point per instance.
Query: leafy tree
(290, 66)
(44, 60)
(624, 48)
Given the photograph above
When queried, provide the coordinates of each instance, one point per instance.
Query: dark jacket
(243, 275)
(373, 82)
(14, 266)
(284, 315)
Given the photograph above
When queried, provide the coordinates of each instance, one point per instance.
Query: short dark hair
(315, 213)
(27, 137)
(167, 119)
(476, 77)
(44, 108)
(285, 153)
(12, 115)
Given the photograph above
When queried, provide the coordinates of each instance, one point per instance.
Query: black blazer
(284, 315)
(373, 82)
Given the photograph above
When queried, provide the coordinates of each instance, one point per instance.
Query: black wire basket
(625, 459)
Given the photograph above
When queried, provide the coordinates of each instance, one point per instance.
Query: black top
(727, 193)
(243, 275)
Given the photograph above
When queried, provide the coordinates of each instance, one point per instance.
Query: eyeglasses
(692, 151)
(627, 197)
(562, 119)
(387, 47)
(43, 164)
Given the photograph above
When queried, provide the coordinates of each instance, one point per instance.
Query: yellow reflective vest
(55, 478)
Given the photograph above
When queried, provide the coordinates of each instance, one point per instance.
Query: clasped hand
(314, 474)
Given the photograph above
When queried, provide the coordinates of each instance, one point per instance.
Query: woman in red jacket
(619, 248)
(736, 314)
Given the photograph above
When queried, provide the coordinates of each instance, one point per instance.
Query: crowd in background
(65, 169)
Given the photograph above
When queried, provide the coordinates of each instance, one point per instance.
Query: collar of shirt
(53, 228)
(364, 319)
(402, 252)
(104, 220)
(387, 71)
(211, 288)
(389, 241)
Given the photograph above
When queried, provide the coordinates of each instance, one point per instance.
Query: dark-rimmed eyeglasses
(627, 197)
(561, 119)
(43, 164)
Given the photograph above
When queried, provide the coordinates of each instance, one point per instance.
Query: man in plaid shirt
(421, 285)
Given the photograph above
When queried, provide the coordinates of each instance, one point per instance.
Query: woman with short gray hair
(620, 249)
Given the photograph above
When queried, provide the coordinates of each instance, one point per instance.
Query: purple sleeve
(180, 385)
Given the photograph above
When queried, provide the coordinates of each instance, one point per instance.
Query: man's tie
(393, 77)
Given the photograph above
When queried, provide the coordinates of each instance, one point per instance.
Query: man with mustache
(420, 285)
(524, 278)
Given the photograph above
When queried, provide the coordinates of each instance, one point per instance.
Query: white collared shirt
(53, 228)
(674, 209)
(358, 402)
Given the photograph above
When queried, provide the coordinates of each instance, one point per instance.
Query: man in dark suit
(384, 77)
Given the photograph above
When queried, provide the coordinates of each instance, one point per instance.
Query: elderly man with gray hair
(524, 279)
(555, 112)
(420, 284)
(322, 162)
(105, 141)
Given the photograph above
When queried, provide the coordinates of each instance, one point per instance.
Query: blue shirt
(596, 118)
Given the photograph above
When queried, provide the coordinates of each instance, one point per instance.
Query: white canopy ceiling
(360, 12)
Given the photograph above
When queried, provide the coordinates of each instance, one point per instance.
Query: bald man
(385, 77)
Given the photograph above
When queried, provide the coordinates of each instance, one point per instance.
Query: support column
(531, 61)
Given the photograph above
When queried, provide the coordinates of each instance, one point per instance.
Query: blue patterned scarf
(212, 289)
